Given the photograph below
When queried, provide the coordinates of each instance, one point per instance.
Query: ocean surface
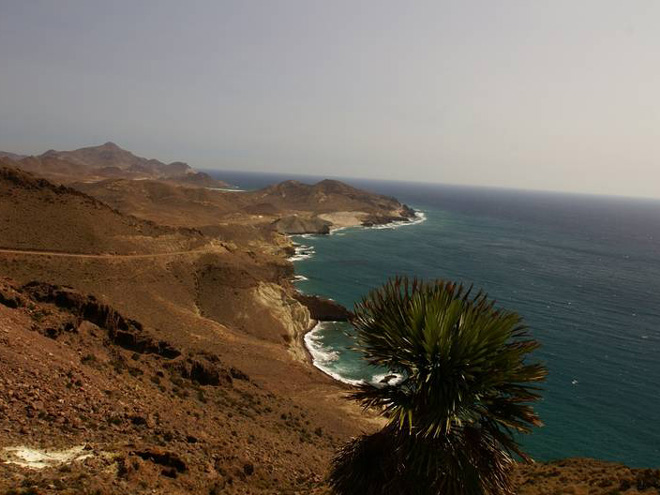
(583, 271)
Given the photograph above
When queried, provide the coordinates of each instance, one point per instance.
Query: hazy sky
(541, 94)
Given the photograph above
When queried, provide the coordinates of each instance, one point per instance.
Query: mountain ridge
(94, 163)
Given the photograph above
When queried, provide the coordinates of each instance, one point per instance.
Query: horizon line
(438, 183)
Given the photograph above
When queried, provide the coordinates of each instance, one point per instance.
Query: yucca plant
(464, 387)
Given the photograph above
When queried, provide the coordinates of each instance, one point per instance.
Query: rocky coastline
(159, 346)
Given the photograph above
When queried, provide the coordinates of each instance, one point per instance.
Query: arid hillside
(39, 215)
(289, 207)
(120, 409)
(108, 160)
(177, 371)
(111, 155)
(165, 202)
(11, 156)
(327, 196)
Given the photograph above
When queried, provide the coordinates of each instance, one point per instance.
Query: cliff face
(296, 225)
(323, 309)
(293, 316)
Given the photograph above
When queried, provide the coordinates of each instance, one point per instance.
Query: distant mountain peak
(11, 156)
(110, 145)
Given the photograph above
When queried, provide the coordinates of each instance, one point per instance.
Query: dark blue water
(584, 272)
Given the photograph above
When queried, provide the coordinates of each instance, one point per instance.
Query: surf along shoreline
(303, 252)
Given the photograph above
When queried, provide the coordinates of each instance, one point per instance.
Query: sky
(553, 95)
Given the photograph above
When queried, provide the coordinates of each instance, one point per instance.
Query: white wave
(302, 252)
(420, 217)
(300, 257)
(299, 278)
(335, 230)
(226, 189)
(322, 358)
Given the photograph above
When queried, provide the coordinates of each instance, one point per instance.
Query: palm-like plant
(464, 389)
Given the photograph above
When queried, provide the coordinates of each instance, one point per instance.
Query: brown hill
(111, 155)
(290, 207)
(38, 215)
(325, 197)
(163, 201)
(95, 163)
(11, 156)
(130, 412)
(54, 168)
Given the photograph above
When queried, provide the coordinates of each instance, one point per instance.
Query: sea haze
(584, 272)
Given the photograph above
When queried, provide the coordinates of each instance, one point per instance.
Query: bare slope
(11, 156)
(324, 197)
(142, 414)
(290, 207)
(111, 155)
(39, 215)
(164, 202)
(108, 160)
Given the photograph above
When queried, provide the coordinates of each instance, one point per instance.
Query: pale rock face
(292, 314)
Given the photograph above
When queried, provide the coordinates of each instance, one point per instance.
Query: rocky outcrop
(124, 332)
(326, 196)
(404, 214)
(295, 224)
(323, 309)
(203, 370)
(172, 462)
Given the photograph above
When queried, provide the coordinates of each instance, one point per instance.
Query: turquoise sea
(584, 272)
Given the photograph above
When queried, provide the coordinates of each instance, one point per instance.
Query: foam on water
(302, 252)
(420, 217)
(336, 230)
(323, 358)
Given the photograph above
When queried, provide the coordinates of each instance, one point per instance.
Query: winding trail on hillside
(109, 255)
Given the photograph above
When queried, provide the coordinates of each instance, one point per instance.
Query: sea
(582, 270)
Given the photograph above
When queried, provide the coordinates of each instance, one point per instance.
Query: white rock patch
(40, 459)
